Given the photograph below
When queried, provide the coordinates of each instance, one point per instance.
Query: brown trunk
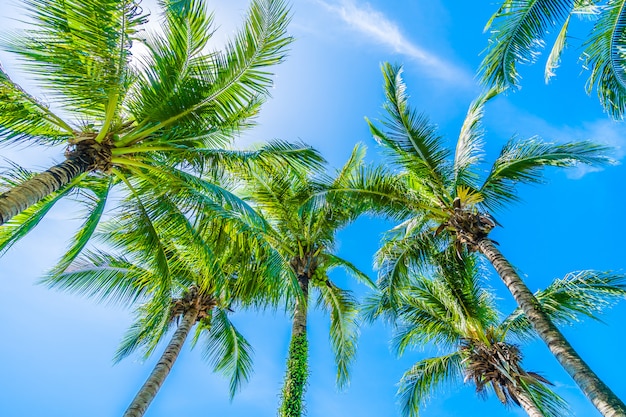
(21, 197)
(607, 403)
(149, 390)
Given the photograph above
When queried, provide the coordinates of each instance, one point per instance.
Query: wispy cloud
(379, 28)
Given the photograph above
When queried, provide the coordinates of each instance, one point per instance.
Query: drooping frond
(517, 32)
(419, 382)
(108, 278)
(568, 300)
(400, 257)
(152, 322)
(228, 350)
(412, 141)
(333, 261)
(95, 198)
(605, 56)
(523, 161)
(343, 327)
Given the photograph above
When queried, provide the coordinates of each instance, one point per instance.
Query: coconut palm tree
(164, 116)
(454, 311)
(452, 204)
(178, 278)
(520, 28)
(303, 220)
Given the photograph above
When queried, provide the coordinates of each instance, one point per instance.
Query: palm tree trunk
(297, 369)
(21, 197)
(607, 403)
(150, 388)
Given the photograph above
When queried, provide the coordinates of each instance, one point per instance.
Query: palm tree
(454, 311)
(519, 29)
(183, 278)
(303, 219)
(453, 205)
(165, 116)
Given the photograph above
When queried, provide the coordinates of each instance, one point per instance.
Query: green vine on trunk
(296, 378)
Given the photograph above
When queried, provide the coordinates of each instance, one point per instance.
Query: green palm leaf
(80, 50)
(567, 300)
(108, 278)
(523, 162)
(418, 382)
(228, 351)
(343, 327)
(24, 118)
(412, 140)
(604, 56)
(94, 208)
(469, 147)
(519, 26)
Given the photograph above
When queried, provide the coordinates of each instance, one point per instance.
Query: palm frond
(517, 35)
(469, 147)
(343, 327)
(555, 53)
(80, 49)
(108, 278)
(94, 208)
(549, 403)
(333, 261)
(522, 161)
(152, 323)
(566, 301)
(424, 377)
(230, 84)
(228, 350)
(605, 56)
(24, 118)
(410, 139)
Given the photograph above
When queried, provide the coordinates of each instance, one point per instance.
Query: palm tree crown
(162, 117)
(447, 304)
(183, 271)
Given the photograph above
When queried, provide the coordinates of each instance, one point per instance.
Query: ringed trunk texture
(149, 390)
(21, 197)
(607, 403)
(297, 368)
(527, 404)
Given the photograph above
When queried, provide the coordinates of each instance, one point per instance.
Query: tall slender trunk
(528, 405)
(150, 388)
(607, 403)
(297, 369)
(21, 197)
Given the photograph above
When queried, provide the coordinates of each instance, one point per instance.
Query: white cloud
(376, 26)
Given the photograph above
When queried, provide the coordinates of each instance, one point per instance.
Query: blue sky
(58, 348)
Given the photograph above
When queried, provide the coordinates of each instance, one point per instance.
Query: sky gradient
(58, 348)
